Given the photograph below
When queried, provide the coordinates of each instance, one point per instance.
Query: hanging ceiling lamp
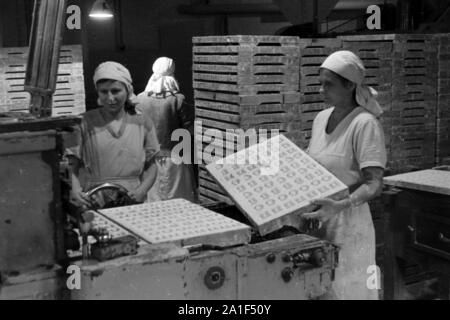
(101, 10)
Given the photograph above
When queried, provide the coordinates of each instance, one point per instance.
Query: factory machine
(420, 227)
(116, 249)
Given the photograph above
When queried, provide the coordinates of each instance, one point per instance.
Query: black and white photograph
(225, 155)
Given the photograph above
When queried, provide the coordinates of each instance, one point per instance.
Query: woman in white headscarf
(163, 103)
(348, 140)
(116, 144)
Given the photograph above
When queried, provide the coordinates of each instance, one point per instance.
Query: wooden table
(418, 227)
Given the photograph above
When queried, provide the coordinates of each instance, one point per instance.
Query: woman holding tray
(348, 140)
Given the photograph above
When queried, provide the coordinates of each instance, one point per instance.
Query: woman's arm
(76, 192)
(369, 189)
(149, 178)
(151, 149)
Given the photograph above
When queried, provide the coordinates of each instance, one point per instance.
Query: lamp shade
(101, 10)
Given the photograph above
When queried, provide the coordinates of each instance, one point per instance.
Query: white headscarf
(349, 66)
(162, 79)
(115, 71)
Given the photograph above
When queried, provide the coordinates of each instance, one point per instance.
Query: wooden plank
(314, 70)
(252, 60)
(249, 111)
(289, 79)
(217, 49)
(375, 61)
(436, 181)
(412, 163)
(248, 40)
(411, 104)
(272, 125)
(368, 37)
(397, 153)
(69, 85)
(213, 186)
(315, 60)
(368, 46)
(245, 89)
(317, 51)
(413, 98)
(245, 120)
(314, 97)
(241, 68)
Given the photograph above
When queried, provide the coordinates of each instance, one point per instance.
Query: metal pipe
(43, 59)
(118, 24)
(316, 25)
(229, 9)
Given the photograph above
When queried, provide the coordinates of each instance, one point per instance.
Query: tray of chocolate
(273, 182)
(179, 221)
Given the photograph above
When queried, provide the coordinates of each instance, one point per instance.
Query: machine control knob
(287, 274)
(271, 258)
(318, 258)
(286, 258)
(214, 278)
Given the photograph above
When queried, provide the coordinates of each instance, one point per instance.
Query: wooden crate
(247, 65)
(375, 52)
(281, 126)
(442, 139)
(69, 96)
(247, 100)
(210, 190)
(312, 54)
(416, 67)
(407, 164)
(412, 146)
(247, 116)
(413, 116)
(443, 99)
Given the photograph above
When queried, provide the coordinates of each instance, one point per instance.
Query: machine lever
(205, 247)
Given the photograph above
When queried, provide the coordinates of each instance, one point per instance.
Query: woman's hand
(139, 194)
(79, 197)
(328, 209)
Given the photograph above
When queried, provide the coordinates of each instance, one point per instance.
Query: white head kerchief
(349, 66)
(162, 79)
(111, 70)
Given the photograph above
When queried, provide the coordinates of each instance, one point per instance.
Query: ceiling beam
(199, 9)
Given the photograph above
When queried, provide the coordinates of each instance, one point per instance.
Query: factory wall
(149, 29)
(145, 31)
(155, 28)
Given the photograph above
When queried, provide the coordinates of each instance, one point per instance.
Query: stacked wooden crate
(443, 101)
(313, 53)
(376, 53)
(69, 97)
(414, 102)
(243, 82)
